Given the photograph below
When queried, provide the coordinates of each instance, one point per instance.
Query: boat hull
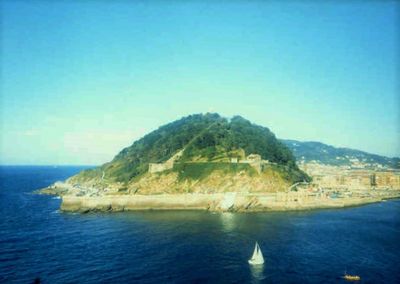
(352, 278)
(255, 262)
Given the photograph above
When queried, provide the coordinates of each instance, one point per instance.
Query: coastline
(231, 202)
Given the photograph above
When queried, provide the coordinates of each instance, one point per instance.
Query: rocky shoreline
(86, 200)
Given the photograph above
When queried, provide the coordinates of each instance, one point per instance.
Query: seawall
(213, 202)
(139, 202)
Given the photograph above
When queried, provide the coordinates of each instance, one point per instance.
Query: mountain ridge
(307, 151)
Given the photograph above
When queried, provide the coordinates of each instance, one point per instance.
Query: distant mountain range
(326, 154)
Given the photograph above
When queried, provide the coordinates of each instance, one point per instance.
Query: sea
(40, 244)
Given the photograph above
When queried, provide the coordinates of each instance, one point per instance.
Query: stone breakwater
(136, 202)
(236, 202)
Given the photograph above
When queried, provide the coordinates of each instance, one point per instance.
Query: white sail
(257, 257)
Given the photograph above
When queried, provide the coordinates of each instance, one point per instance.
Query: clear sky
(81, 80)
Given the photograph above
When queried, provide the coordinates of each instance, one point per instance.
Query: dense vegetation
(239, 133)
(326, 154)
(208, 137)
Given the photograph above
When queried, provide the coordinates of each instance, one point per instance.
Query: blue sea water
(37, 241)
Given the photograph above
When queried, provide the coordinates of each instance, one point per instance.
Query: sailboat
(257, 257)
(349, 277)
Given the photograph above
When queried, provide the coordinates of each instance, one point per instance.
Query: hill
(326, 154)
(201, 152)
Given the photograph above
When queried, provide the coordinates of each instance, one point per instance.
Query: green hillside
(205, 138)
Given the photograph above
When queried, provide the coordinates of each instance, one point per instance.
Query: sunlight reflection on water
(257, 272)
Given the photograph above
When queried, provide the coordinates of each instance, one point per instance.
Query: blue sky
(81, 80)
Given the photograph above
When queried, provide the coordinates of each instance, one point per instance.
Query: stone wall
(160, 167)
(214, 202)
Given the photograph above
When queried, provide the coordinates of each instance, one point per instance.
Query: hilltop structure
(254, 160)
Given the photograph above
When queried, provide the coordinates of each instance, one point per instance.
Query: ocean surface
(39, 242)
